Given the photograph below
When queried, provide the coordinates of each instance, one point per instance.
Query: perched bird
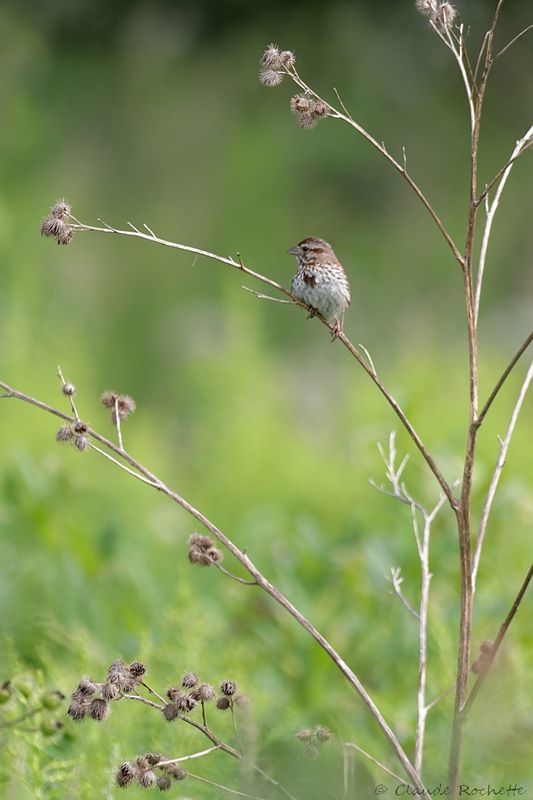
(320, 281)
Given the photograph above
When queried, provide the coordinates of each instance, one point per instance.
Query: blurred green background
(152, 112)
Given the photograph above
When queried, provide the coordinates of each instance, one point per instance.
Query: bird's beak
(294, 251)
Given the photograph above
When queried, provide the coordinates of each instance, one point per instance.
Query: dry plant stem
(497, 643)
(262, 582)
(500, 463)
(422, 539)
(492, 208)
(464, 511)
(117, 423)
(342, 337)
(374, 760)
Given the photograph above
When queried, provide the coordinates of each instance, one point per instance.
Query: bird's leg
(312, 312)
(336, 330)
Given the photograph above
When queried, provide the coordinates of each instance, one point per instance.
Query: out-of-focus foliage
(152, 112)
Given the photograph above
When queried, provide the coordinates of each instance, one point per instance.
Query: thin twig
(232, 576)
(374, 760)
(520, 146)
(497, 643)
(396, 580)
(505, 374)
(70, 396)
(201, 753)
(500, 463)
(515, 39)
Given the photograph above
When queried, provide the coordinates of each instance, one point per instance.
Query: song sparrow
(321, 281)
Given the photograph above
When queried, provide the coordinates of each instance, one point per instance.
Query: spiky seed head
(223, 703)
(61, 209)
(321, 734)
(126, 774)
(203, 693)
(228, 688)
(69, 389)
(77, 710)
(269, 77)
(300, 103)
(147, 779)
(446, 15)
(428, 8)
(123, 407)
(320, 108)
(171, 712)
(99, 709)
(307, 120)
(153, 758)
(116, 670)
(287, 59)
(85, 687)
(190, 679)
(137, 669)
(304, 735)
(164, 783)
(179, 774)
(82, 443)
(64, 434)
(141, 762)
(174, 694)
(109, 691)
(109, 398)
(271, 57)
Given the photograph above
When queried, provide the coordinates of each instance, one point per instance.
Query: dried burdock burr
(126, 774)
(65, 434)
(223, 703)
(164, 783)
(228, 688)
(77, 710)
(202, 550)
(99, 709)
(271, 57)
(82, 443)
(270, 78)
(147, 779)
(56, 226)
(190, 679)
(171, 712)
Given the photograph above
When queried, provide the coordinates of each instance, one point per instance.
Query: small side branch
(505, 374)
(497, 643)
(500, 463)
